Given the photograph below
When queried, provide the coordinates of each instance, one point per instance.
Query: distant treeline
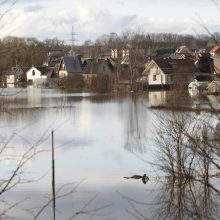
(154, 42)
(29, 51)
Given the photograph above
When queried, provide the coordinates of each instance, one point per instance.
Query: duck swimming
(144, 178)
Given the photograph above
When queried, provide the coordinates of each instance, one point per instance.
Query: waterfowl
(144, 178)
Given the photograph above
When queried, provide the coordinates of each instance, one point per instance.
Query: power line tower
(73, 40)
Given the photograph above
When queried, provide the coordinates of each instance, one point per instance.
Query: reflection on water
(176, 199)
(98, 139)
(157, 98)
(186, 155)
(187, 200)
(135, 121)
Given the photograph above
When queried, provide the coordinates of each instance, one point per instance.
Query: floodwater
(98, 140)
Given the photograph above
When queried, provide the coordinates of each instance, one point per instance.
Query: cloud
(33, 8)
(96, 23)
(55, 18)
(169, 2)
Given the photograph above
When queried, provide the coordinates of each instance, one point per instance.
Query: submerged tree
(188, 160)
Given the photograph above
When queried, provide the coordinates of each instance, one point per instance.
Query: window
(154, 77)
(33, 73)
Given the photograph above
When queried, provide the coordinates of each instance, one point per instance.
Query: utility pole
(53, 178)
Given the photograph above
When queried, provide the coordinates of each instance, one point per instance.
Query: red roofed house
(215, 50)
(215, 53)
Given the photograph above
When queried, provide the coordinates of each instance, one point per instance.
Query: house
(39, 75)
(215, 55)
(215, 50)
(118, 53)
(167, 72)
(70, 65)
(97, 66)
(14, 75)
(94, 67)
(200, 83)
(214, 86)
(216, 65)
(204, 63)
(183, 50)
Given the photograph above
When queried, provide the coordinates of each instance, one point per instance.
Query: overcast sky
(93, 18)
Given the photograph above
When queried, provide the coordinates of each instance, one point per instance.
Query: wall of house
(63, 73)
(214, 87)
(156, 77)
(33, 74)
(10, 79)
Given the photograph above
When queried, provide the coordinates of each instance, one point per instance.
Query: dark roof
(169, 66)
(45, 70)
(73, 64)
(13, 71)
(93, 66)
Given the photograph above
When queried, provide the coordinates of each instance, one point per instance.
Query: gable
(152, 68)
(33, 71)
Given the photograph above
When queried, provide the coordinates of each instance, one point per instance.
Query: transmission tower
(73, 40)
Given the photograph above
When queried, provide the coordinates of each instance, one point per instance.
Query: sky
(91, 19)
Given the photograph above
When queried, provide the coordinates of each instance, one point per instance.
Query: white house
(35, 76)
(166, 72)
(158, 72)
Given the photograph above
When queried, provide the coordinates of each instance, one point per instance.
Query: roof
(45, 70)
(176, 66)
(125, 60)
(93, 65)
(215, 48)
(13, 71)
(215, 82)
(177, 56)
(183, 49)
(73, 64)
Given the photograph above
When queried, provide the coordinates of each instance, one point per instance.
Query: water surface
(99, 139)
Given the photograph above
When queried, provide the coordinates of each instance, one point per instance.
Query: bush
(101, 83)
(74, 82)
